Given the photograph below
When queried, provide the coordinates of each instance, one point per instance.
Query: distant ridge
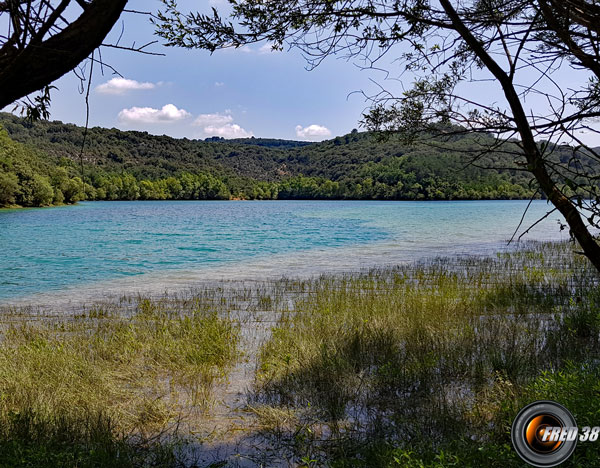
(131, 165)
(266, 142)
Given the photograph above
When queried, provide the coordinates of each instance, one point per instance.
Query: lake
(102, 248)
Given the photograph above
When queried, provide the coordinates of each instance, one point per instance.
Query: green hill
(137, 165)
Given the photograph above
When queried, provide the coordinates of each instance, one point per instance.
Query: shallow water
(98, 249)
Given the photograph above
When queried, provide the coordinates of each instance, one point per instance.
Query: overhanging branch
(25, 71)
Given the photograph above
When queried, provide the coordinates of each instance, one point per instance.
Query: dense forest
(42, 164)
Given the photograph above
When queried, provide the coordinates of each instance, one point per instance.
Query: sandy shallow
(296, 265)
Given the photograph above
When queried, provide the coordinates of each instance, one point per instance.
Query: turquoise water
(106, 246)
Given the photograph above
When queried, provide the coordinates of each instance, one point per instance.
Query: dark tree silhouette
(44, 39)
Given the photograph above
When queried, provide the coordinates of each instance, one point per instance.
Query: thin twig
(87, 120)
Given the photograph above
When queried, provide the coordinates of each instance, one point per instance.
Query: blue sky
(190, 93)
(232, 93)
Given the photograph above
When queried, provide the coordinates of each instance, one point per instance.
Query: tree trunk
(535, 160)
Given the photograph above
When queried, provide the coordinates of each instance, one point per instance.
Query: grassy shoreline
(427, 364)
(420, 365)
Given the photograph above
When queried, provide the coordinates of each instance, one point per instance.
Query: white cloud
(219, 84)
(244, 49)
(168, 113)
(206, 120)
(267, 49)
(220, 125)
(122, 86)
(312, 132)
(227, 131)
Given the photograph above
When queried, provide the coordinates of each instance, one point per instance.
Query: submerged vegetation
(421, 365)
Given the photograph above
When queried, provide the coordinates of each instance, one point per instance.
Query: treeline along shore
(42, 164)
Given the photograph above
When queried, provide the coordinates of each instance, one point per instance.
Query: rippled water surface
(101, 247)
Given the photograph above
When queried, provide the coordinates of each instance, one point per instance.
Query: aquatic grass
(29, 440)
(130, 378)
(123, 365)
(421, 364)
(409, 354)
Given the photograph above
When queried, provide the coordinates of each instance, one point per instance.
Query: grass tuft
(103, 384)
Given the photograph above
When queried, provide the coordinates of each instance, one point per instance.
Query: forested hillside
(137, 165)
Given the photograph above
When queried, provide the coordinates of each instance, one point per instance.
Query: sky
(251, 91)
(232, 93)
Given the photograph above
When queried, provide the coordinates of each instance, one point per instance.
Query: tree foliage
(29, 179)
(135, 165)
